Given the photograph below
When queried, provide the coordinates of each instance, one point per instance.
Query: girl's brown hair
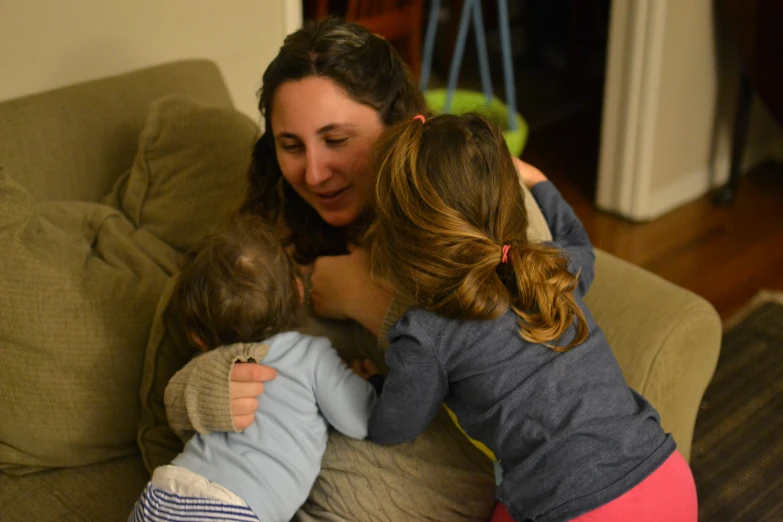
(239, 285)
(447, 200)
(371, 72)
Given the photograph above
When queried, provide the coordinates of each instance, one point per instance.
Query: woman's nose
(316, 171)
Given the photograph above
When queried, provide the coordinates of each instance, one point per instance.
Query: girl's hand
(342, 288)
(528, 174)
(364, 368)
(245, 386)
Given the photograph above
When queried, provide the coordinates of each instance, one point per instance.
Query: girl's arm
(413, 390)
(568, 233)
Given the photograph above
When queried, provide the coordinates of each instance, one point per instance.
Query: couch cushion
(71, 143)
(104, 492)
(80, 286)
(168, 350)
(189, 174)
(190, 170)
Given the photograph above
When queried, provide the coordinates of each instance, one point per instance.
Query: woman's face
(323, 140)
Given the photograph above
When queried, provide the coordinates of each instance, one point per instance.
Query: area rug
(737, 456)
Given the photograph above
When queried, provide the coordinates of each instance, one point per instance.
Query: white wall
(672, 78)
(46, 44)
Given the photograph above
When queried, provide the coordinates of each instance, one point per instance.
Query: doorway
(559, 50)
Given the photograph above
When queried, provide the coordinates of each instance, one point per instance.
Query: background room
(639, 111)
(630, 109)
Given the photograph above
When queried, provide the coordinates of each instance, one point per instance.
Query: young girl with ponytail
(499, 332)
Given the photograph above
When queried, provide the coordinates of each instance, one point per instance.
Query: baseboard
(693, 186)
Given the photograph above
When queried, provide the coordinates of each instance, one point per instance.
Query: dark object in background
(756, 30)
(399, 21)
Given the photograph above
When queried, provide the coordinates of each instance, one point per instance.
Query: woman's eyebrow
(282, 135)
(335, 126)
(323, 130)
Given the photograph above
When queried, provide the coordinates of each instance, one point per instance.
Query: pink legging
(669, 494)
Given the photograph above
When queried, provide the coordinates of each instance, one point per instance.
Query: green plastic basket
(474, 101)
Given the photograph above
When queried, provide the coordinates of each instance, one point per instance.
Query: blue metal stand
(471, 11)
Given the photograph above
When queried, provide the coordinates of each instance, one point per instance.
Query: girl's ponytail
(542, 294)
(477, 292)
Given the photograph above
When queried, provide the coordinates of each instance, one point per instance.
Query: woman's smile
(334, 199)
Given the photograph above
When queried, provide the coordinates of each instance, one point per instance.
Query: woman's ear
(196, 341)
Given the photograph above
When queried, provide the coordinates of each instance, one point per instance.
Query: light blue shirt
(273, 464)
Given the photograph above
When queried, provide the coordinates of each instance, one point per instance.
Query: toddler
(240, 292)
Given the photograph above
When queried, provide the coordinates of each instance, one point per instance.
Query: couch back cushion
(72, 143)
(190, 170)
(81, 282)
(80, 285)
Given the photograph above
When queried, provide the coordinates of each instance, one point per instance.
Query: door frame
(631, 102)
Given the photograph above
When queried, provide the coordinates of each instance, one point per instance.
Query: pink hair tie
(419, 117)
(504, 256)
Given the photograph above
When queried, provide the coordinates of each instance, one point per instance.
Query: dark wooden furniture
(756, 30)
(399, 21)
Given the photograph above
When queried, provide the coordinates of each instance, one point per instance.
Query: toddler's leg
(175, 493)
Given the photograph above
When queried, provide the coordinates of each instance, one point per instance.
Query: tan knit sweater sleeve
(397, 309)
(197, 397)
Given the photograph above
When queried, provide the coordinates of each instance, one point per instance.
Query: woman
(326, 98)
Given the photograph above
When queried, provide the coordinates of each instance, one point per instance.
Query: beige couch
(100, 191)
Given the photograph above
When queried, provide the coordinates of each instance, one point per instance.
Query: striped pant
(158, 504)
(176, 493)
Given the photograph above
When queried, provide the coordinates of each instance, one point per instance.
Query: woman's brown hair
(239, 285)
(447, 200)
(371, 72)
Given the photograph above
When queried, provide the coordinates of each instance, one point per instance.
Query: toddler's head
(239, 285)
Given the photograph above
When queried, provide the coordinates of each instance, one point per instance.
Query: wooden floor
(725, 255)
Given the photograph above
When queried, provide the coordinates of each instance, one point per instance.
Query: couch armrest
(666, 339)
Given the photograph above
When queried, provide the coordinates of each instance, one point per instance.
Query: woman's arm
(342, 287)
(217, 391)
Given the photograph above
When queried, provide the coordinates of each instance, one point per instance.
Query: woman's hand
(342, 288)
(528, 174)
(246, 384)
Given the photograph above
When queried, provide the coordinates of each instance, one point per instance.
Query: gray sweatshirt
(273, 464)
(569, 433)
